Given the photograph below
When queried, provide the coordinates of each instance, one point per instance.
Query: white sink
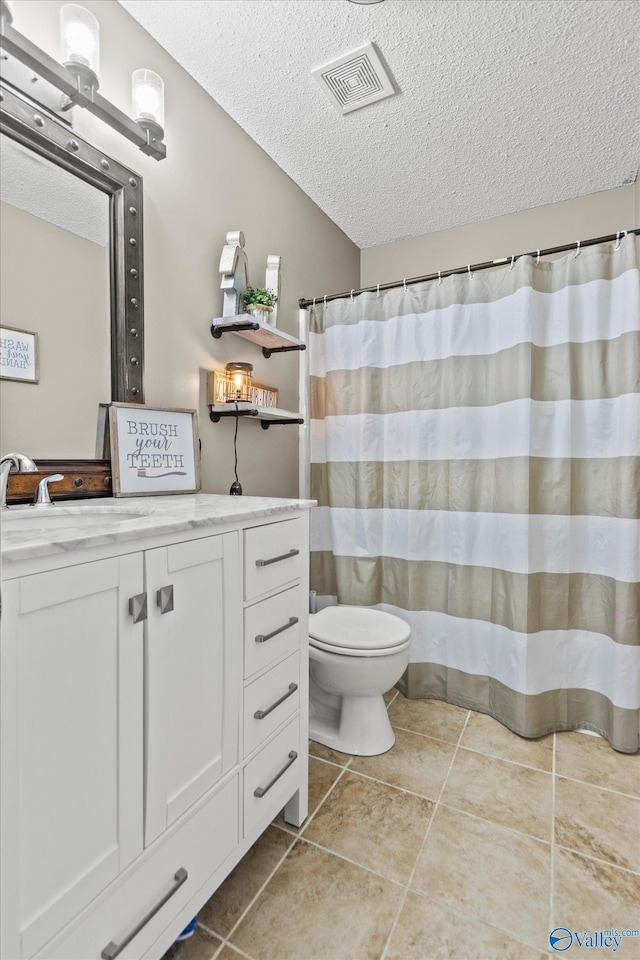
(52, 518)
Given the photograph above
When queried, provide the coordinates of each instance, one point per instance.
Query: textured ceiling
(503, 105)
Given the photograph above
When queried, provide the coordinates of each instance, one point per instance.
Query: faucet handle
(43, 497)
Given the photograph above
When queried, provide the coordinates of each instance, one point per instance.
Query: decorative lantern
(239, 378)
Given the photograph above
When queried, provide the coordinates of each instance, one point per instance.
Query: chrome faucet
(21, 463)
(43, 498)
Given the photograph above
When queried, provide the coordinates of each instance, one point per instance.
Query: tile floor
(464, 841)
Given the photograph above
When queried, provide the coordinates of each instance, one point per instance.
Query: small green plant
(259, 295)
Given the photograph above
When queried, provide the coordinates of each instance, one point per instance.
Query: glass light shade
(239, 377)
(147, 91)
(79, 37)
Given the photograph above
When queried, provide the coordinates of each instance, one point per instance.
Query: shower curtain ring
(313, 305)
(538, 257)
(439, 277)
(325, 302)
(624, 233)
(352, 296)
(577, 253)
(469, 272)
(513, 260)
(404, 284)
(378, 291)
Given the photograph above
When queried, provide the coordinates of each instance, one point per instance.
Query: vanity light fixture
(147, 94)
(80, 43)
(6, 11)
(77, 77)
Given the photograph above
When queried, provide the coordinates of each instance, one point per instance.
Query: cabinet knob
(164, 598)
(138, 607)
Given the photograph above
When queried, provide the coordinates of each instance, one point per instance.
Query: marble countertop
(28, 531)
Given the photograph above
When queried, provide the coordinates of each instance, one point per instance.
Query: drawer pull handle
(261, 714)
(260, 791)
(284, 556)
(113, 949)
(274, 633)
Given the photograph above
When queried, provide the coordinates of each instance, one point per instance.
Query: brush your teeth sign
(153, 450)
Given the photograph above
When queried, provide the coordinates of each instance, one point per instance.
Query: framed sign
(18, 355)
(154, 450)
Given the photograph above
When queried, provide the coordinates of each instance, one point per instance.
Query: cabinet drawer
(270, 700)
(272, 777)
(272, 556)
(270, 631)
(198, 847)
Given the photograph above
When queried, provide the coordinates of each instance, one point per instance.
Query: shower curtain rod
(472, 267)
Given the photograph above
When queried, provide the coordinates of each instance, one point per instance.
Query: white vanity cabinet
(153, 722)
(71, 732)
(192, 675)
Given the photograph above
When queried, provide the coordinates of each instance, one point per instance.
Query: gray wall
(214, 179)
(594, 215)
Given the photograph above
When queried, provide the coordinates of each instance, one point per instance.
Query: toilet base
(355, 725)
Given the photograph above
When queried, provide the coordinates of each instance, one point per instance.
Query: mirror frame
(33, 126)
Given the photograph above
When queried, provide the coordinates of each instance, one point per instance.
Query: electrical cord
(236, 487)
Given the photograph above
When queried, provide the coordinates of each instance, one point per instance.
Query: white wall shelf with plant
(257, 331)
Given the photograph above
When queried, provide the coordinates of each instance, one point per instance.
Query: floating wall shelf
(266, 415)
(257, 331)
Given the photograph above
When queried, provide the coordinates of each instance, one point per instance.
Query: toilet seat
(358, 632)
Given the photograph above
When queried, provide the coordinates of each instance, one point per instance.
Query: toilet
(355, 655)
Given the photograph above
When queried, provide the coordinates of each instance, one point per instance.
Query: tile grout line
(605, 863)
(450, 806)
(284, 856)
(309, 819)
(394, 697)
(354, 863)
(294, 838)
(598, 786)
(232, 946)
(407, 888)
(516, 763)
(387, 783)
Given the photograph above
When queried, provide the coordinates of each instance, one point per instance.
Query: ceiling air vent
(355, 79)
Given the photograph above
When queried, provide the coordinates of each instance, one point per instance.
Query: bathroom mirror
(72, 251)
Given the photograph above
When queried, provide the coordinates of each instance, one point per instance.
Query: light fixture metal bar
(79, 92)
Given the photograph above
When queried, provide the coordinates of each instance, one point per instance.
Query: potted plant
(259, 302)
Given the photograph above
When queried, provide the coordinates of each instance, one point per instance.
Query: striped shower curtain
(475, 455)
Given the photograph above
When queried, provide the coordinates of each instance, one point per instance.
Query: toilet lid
(357, 629)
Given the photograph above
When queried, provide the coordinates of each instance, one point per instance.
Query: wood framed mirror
(57, 426)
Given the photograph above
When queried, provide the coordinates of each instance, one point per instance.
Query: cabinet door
(194, 663)
(71, 743)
